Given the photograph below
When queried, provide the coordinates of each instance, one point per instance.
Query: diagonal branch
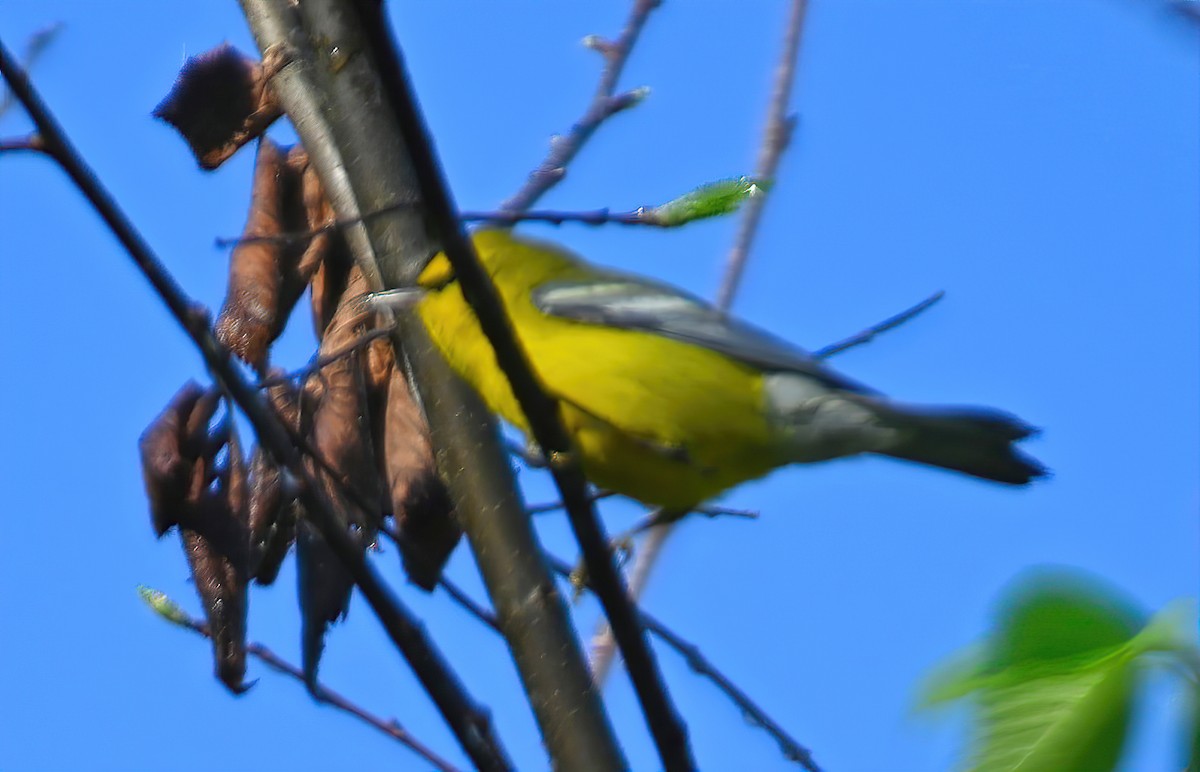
(667, 728)
(470, 724)
(696, 660)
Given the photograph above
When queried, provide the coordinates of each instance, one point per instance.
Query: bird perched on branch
(669, 400)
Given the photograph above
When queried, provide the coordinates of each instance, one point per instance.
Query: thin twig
(554, 506)
(456, 593)
(390, 727)
(470, 724)
(30, 144)
(605, 104)
(657, 518)
(38, 43)
(867, 335)
(792, 749)
(776, 136)
(602, 216)
(320, 363)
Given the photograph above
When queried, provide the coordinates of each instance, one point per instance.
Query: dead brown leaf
(220, 101)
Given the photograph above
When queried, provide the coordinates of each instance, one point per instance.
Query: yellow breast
(667, 423)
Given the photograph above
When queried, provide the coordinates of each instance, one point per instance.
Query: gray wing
(633, 303)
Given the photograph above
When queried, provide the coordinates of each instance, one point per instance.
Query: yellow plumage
(663, 420)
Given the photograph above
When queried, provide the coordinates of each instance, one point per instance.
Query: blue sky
(1039, 161)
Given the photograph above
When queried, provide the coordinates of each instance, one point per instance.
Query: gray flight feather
(633, 303)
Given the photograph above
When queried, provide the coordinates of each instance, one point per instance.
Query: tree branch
(668, 730)
(369, 165)
(471, 725)
(792, 749)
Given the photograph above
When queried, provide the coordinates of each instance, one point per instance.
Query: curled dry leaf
(268, 272)
(168, 459)
(220, 101)
(179, 467)
(273, 512)
(420, 503)
(341, 439)
(327, 261)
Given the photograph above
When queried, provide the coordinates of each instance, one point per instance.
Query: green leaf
(1051, 615)
(1053, 684)
(711, 200)
(954, 678)
(1071, 721)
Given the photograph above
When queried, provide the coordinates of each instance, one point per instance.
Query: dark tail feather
(974, 441)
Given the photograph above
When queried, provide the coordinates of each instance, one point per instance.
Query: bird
(671, 401)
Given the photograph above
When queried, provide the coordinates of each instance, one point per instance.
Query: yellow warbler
(671, 402)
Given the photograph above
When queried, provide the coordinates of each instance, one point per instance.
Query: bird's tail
(974, 441)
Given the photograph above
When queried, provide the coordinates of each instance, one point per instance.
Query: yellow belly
(655, 419)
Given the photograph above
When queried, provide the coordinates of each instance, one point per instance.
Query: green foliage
(711, 200)
(1053, 685)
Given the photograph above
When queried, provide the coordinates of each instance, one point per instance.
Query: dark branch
(470, 723)
(366, 164)
(666, 726)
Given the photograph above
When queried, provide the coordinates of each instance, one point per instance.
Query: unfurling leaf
(162, 605)
(220, 101)
(711, 200)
